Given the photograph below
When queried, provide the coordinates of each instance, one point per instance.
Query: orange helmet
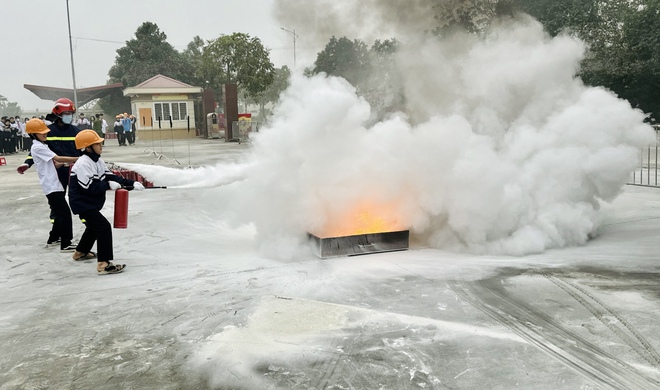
(63, 105)
(87, 138)
(36, 126)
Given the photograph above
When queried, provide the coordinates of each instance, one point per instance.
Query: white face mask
(67, 118)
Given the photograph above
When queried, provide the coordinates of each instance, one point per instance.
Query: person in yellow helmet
(47, 163)
(89, 180)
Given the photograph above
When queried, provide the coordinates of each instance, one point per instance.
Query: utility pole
(293, 33)
(73, 70)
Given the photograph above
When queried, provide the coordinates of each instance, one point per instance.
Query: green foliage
(623, 38)
(193, 56)
(474, 16)
(8, 108)
(147, 55)
(272, 93)
(237, 59)
(370, 70)
(143, 57)
(345, 58)
(641, 38)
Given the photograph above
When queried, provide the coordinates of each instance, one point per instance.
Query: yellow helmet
(87, 138)
(36, 126)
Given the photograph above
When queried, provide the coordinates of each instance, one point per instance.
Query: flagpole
(73, 70)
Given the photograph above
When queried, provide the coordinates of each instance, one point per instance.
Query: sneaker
(57, 241)
(70, 248)
(110, 269)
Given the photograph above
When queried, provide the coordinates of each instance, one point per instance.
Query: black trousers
(98, 229)
(130, 137)
(63, 176)
(63, 225)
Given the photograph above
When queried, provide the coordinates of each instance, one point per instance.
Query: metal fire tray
(360, 244)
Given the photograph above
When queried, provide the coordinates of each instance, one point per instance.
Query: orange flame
(366, 218)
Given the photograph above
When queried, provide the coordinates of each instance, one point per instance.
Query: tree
(370, 70)
(8, 108)
(143, 57)
(383, 88)
(345, 58)
(193, 55)
(272, 93)
(473, 16)
(237, 59)
(622, 36)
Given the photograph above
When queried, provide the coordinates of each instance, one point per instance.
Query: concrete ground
(199, 307)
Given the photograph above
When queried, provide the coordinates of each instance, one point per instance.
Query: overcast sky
(36, 45)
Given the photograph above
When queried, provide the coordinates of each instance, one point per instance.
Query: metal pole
(294, 47)
(648, 169)
(293, 33)
(73, 70)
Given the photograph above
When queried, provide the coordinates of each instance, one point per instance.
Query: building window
(158, 108)
(177, 110)
(183, 112)
(166, 111)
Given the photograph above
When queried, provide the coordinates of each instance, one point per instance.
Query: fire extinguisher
(121, 209)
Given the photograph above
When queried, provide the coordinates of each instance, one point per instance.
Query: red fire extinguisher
(121, 209)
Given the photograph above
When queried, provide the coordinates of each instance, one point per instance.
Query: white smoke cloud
(501, 149)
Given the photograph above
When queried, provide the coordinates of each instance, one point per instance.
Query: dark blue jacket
(89, 182)
(62, 139)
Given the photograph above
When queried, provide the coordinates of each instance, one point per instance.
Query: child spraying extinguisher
(89, 180)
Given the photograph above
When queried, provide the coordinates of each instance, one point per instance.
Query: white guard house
(164, 108)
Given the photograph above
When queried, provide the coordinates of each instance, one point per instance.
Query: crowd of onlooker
(13, 137)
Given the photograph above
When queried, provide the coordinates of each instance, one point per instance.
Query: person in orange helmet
(90, 179)
(46, 161)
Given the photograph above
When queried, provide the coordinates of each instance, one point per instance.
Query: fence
(646, 174)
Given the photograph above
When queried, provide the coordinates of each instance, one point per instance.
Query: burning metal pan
(360, 244)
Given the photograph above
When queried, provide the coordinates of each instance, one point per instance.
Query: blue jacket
(126, 122)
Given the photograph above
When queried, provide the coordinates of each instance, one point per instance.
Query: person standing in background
(27, 141)
(96, 126)
(119, 130)
(104, 126)
(133, 129)
(15, 129)
(82, 123)
(126, 122)
(19, 134)
(3, 143)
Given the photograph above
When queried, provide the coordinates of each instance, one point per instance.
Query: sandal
(111, 269)
(80, 256)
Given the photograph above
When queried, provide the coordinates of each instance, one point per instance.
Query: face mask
(67, 118)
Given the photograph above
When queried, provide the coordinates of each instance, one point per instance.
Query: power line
(98, 40)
